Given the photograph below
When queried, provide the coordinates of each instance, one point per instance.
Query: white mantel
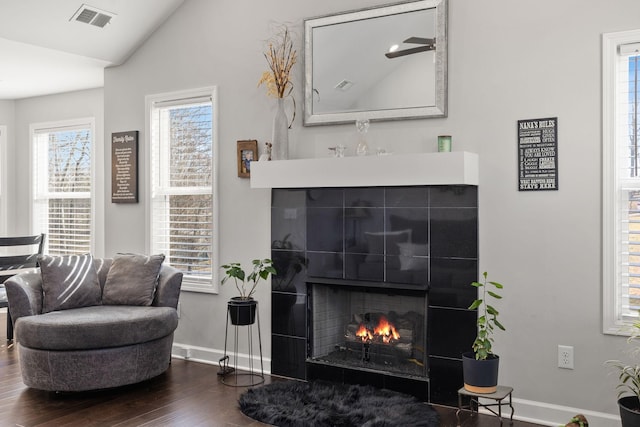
(454, 168)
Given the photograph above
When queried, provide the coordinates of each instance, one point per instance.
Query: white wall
(507, 61)
(7, 113)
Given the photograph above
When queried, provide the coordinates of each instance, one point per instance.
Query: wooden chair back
(22, 253)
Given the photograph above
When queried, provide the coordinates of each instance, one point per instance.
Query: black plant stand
(500, 394)
(230, 375)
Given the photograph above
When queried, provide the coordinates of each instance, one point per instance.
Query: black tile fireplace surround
(419, 242)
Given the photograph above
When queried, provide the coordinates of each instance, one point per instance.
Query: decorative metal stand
(230, 374)
(501, 393)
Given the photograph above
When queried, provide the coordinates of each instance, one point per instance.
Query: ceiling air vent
(344, 85)
(92, 16)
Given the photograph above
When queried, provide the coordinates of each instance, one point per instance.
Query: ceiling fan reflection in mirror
(429, 44)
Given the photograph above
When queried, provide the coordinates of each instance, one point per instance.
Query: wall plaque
(538, 154)
(124, 167)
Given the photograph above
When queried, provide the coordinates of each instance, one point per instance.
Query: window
(63, 185)
(621, 180)
(3, 180)
(183, 179)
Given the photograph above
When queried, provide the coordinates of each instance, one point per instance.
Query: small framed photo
(247, 152)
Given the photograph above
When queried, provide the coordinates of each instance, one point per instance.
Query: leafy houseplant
(629, 382)
(262, 268)
(488, 318)
(480, 366)
(242, 309)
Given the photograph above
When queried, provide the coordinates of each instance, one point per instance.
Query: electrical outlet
(565, 357)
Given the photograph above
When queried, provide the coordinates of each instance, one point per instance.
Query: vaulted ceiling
(45, 49)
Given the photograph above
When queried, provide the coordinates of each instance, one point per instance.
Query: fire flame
(364, 333)
(384, 329)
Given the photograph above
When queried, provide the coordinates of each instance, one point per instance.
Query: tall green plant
(487, 317)
(629, 374)
(262, 268)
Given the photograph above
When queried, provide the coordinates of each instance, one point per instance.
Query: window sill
(200, 288)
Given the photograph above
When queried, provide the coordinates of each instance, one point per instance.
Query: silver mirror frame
(437, 110)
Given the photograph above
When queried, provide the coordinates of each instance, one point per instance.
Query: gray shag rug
(319, 404)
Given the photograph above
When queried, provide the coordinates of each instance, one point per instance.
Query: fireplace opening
(369, 329)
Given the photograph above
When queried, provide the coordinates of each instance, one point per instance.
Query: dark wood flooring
(188, 394)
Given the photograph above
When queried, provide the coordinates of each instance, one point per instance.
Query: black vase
(629, 407)
(480, 376)
(242, 311)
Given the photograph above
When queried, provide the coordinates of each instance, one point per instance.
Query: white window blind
(182, 193)
(621, 181)
(628, 156)
(62, 177)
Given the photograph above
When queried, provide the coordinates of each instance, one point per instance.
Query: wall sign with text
(124, 167)
(538, 154)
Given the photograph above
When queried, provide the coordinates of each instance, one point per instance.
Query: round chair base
(83, 370)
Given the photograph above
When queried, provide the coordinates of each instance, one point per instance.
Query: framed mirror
(384, 63)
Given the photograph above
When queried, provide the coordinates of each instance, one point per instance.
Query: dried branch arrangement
(281, 57)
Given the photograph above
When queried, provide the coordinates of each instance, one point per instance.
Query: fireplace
(351, 258)
(356, 327)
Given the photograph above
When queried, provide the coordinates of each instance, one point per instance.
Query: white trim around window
(58, 126)
(4, 211)
(191, 282)
(618, 230)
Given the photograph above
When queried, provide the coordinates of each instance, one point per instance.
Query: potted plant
(480, 366)
(629, 377)
(242, 308)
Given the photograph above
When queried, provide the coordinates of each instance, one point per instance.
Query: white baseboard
(212, 356)
(548, 414)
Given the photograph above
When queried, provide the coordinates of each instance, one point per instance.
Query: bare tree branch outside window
(67, 220)
(633, 248)
(183, 210)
